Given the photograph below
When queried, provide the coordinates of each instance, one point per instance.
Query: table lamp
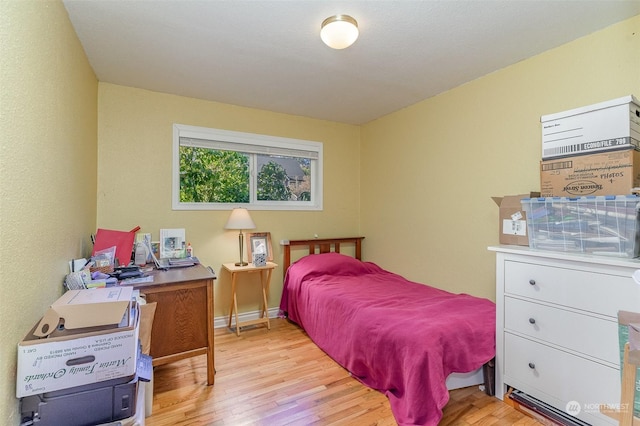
(240, 219)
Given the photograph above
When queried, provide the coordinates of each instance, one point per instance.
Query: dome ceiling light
(339, 31)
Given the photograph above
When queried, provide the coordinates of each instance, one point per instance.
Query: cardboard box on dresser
(591, 150)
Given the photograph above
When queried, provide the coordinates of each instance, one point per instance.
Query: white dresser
(557, 327)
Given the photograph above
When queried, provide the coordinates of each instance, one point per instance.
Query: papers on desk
(147, 279)
(175, 263)
(185, 261)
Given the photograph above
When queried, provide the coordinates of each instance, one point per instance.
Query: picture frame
(172, 243)
(155, 248)
(259, 242)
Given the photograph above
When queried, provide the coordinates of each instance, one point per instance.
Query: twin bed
(396, 336)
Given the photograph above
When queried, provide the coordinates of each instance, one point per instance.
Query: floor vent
(545, 410)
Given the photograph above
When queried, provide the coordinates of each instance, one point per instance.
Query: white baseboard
(222, 322)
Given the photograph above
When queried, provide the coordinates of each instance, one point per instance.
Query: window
(219, 169)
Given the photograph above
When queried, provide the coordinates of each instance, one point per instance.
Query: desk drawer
(583, 333)
(600, 293)
(541, 370)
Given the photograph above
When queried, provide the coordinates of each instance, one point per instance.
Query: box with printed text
(603, 173)
(77, 357)
(512, 220)
(605, 126)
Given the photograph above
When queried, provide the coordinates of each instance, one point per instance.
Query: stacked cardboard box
(604, 173)
(80, 363)
(92, 346)
(512, 219)
(589, 169)
(586, 152)
(591, 150)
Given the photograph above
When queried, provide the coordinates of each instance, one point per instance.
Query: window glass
(213, 176)
(283, 178)
(218, 169)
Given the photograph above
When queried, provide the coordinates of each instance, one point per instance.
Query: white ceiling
(268, 54)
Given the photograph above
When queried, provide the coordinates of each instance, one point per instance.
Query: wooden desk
(265, 279)
(183, 323)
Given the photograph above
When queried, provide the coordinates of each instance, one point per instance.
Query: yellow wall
(416, 183)
(48, 127)
(134, 178)
(449, 154)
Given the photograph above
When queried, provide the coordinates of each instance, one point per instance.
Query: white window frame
(248, 143)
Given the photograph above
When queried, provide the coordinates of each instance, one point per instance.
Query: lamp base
(241, 264)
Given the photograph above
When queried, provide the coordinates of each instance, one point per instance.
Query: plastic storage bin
(598, 225)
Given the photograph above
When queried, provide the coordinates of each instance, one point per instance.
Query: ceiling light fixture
(339, 31)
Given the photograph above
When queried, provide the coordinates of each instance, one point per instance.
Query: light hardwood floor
(280, 377)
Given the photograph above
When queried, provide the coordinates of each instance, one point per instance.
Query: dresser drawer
(540, 370)
(591, 291)
(583, 333)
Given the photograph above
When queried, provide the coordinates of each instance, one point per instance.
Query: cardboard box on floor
(606, 173)
(83, 354)
(512, 220)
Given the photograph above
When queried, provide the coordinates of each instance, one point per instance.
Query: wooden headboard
(321, 245)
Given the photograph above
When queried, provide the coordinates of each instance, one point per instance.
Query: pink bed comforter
(399, 337)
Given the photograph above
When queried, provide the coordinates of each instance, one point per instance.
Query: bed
(396, 336)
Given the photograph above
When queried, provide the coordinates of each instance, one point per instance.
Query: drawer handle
(532, 282)
(532, 365)
(532, 320)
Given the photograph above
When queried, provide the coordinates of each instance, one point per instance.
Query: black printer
(87, 405)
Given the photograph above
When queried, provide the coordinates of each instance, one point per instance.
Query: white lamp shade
(339, 31)
(240, 219)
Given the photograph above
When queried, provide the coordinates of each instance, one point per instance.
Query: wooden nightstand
(265, 279)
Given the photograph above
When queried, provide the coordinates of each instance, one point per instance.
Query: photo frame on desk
(258, 242)
(172, 243)
(155, 248)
